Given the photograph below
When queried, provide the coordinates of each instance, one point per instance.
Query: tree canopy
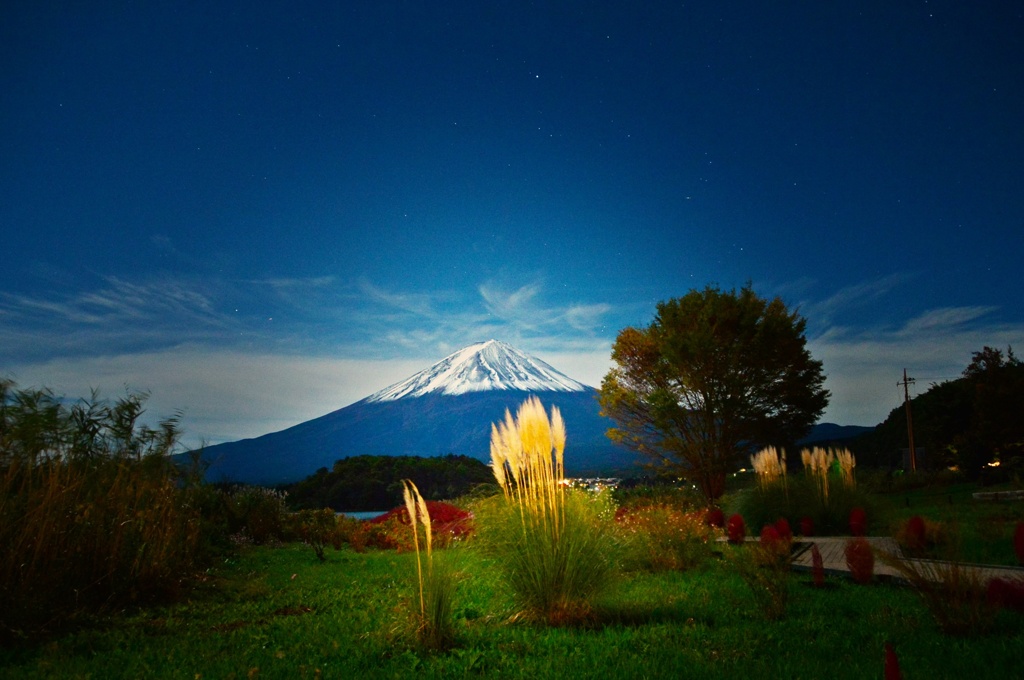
(375, 482)
(716, 374)
(968, 422)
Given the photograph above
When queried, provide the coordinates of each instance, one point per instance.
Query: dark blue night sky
(262, 212)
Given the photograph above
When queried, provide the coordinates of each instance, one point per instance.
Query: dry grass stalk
(954, 593)
(770, 466)
(417, 509)
(817, 462)
(847, 463)
(528, 460)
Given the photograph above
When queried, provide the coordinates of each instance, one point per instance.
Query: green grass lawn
(279, 613)
(985, 528)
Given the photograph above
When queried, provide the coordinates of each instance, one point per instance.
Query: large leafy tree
(714, 375)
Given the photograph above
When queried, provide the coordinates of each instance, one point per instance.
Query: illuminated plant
(770, 466)
(435, 629)
(558, 554)
(816, 464)
(847, 464)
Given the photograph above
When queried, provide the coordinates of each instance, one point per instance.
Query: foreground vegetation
(121, 565)
(279, 612)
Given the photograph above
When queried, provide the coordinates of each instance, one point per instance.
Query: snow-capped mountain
(485, 366)
(447, 408)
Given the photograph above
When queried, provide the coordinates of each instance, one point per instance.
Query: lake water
(364, 515)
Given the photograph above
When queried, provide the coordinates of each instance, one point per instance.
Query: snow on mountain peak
(491, 365)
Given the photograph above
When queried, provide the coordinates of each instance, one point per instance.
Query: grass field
(279, 613)
(984, 529)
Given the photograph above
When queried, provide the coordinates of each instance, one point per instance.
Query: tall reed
(435, 629)
(770, 466)
(817, 462)
(92, 513)
(558, 549)
(522, 460)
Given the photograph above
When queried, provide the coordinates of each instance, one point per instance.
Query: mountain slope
(447, 408)
(432, 425)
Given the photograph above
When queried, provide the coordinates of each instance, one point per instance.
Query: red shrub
(1006, 593)
(892, 664)
(806, 526)
(782, 526)
(715, 518)
(770, 536)
(736, 529)
(447, 521)
(860, 560)
(817, 566)
(1018, 542)
(916, 533)
(858, 522)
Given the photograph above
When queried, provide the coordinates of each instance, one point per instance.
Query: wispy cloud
(517, 305)
(863, 365)
(850, 298)
(247, 357)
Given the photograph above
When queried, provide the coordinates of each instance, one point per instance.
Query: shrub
(892, 664)
(782, 526)
(914, 538)
(736, 529)
(954, 593)
(552, 542)
(660, 538)
(715, 518)
(640, 492)
(317, 529)
(806, 526)
(92, 514)
(1006, 593)
(858, 522)
(919, 536)
(765, 566)
(817, 567)
(257, 512)
(860, 559)
(449, 523)
(800, 499)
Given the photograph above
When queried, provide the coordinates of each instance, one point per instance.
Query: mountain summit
(483, 367)
(447, 408)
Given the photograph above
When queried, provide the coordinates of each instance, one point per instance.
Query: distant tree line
(968, 422)
(363, 483)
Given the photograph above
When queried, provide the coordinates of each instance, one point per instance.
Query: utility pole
(910, 420)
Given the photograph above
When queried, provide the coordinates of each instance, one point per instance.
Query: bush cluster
(93, 515)
(662, 538)
(390, 531)
(801, 505)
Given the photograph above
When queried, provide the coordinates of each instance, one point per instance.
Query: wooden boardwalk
(833, 558)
